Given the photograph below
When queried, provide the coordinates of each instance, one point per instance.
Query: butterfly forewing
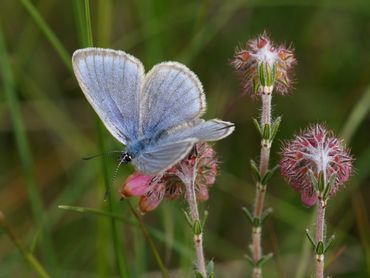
(112, 82)
(172, 95)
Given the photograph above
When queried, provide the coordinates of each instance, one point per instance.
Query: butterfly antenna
(100, 154)
(107, 192)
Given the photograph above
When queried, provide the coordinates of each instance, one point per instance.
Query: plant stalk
(189, 181)
(260, 188)
(320, 236)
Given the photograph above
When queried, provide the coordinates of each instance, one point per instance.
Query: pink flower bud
(152, 198)
(136, 185)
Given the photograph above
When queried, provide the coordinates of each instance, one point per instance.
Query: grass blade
(34, 263)
(40, 22)
(357, 115)
(24, 152)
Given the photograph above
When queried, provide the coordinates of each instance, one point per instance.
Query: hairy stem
(261, 189)
(189, 181)
(320, 236)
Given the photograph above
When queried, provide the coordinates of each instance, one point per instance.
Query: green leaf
(198, 274)
(330, 185)
(273, 74)
(249, 259)
(264, 259)
(321, 182)
(266, 178)
(248, 214)
(265, 214)
(197, 227)
(210, 268)
(329, 242)
(320, 248)
(256, 222)
(256, 85)
(314, 181)
(266, 132)
(205, 217)
(310, 238)
(188, 219)
(262, 73)
(275, 128)
(255, 171)
(269, 75)
(257, 125)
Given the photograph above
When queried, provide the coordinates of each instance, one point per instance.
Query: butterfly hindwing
(161, 156)
(172, 95)
(212, 130)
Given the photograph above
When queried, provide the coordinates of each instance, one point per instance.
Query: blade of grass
(32, 260)
(25, 152)
(104, 9)
(117, 246)
(27, 40)
(52, 38)
(150, 241)
(357, 115)
(103, 31)
(183, 250)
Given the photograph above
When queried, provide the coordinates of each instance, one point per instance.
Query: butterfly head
(125, 158)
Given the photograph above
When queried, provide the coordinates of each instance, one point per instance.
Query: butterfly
(155, 115)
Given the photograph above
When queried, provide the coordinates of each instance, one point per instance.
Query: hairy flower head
(312, 153)
(263, 66)
(201, 163)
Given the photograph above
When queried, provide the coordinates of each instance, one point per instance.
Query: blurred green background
(46, 126)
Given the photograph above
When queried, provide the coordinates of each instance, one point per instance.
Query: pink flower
(170, 184)
(136, 185)
(263, 66)
(315, 149)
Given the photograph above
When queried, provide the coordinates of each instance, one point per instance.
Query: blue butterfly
(156, 115)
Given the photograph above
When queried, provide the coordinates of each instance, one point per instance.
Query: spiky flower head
(316, 164)
(262, 66)
(201, 163)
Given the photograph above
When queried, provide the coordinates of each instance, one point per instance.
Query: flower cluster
(315, 149)
(200, 164)
(263, 66)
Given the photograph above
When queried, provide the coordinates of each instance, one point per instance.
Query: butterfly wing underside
(160, 157)
(172, 95)
(212, 130)
(111, 81)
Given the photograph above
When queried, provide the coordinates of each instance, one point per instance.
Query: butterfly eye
(126, 158)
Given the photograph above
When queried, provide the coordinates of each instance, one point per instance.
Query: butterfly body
(156, 115)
